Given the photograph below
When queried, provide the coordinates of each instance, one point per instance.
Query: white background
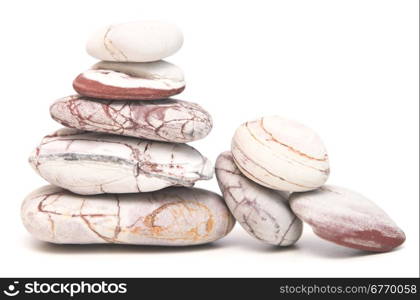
(348, 69)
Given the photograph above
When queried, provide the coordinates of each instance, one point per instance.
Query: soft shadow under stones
(248, 243)
(116, 248)
(307, 245)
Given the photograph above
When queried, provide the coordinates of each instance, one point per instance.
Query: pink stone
(347, 218)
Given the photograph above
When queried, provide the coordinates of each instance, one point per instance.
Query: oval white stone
(264, 213)
(153, 75)
(142, 41)
(170, 217)
(280, 154)
(94, 163)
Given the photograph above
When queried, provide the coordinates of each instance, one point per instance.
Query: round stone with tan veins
(280, 154)
(167, 120)
(141, 41)
(130, 81)
(95, 163)
(170, 217)
(264, 213)
(347, 218)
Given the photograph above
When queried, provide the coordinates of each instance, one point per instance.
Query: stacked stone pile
(124, 135)
(121, 171)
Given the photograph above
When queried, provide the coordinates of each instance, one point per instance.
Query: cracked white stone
(280, 154)
(167, 120)
(170, 217)
(142, 41)
(264, 213)
(94, 163)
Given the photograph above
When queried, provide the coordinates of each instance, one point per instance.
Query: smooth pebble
(347, 218)
(280, 154)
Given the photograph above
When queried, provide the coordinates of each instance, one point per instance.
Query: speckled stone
(141, 41)
(170, 217)
(130, 81)
(94, 163)
(347, 218)
(264, 213)
(280, 154)
(161, 120)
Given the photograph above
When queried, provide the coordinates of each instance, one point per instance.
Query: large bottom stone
(174, 216)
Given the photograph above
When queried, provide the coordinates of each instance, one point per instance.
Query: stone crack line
(283, 238)
(264, 169)
(129, 122)
(250, 229)
(112, 50)
(287, 159)
(83, 217)
(90, 226)
(118, 227)
(140, 164)
(290, 147)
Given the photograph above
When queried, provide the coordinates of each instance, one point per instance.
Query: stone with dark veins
(130, 81)
(166, 120)
(280, 154)
(94, 163)
(264, 213)
(170, 217)
(347, 218)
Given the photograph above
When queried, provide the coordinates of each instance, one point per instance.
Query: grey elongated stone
(166, 120)
(264, 213)
(94, 163)
(171, 217)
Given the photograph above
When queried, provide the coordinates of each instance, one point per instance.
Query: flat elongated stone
(162, 120)
(94, 163)
(170, 217)
(141, 41)
(264, 213)
(130, 81)
(280, 154)
(347, 218)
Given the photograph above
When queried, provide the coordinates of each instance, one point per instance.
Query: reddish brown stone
(347, 218)
(95, 89)
(130, 81)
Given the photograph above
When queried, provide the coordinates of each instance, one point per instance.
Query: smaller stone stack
(274, 178)
(124, 135)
